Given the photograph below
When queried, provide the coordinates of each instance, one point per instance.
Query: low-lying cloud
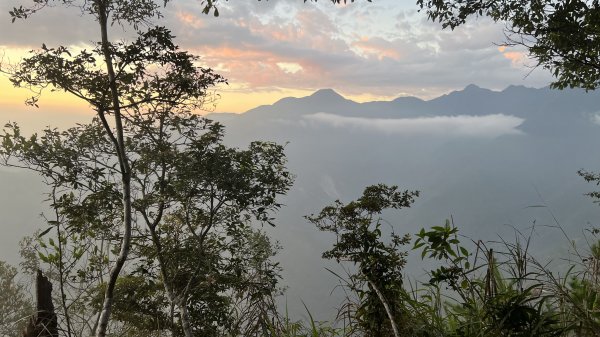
(488, 126)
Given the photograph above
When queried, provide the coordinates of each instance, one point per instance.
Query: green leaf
(464, 251)
(43, 257)
(44, 232)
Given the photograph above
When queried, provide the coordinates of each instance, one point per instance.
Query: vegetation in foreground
(231, 283)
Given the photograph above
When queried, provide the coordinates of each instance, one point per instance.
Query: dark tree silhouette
(44, 322)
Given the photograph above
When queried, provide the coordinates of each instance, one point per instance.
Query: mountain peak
(472, 87)
(326, 93)
(515, 87)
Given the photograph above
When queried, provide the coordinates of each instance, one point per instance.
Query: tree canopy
(562, 36)
(194, 201)
(15, 304)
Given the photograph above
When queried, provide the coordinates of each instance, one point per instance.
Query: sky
(273, 49)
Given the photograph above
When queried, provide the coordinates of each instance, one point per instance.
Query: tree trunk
(385, 306)
(119, 143)
(174, 299)
(185, 317)
(44, 322)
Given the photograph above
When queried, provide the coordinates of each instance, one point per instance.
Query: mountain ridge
(517, 100)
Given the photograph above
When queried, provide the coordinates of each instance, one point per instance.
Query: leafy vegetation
(378, 279)
(562, 36)
(474, 289)
(193, 249)
(15, 303)
(491, 289)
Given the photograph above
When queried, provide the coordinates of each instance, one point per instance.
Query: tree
(562, 36)
(378, 278)
(193, 200)
(123, 84)
(15, 303)
(230, 286)
(120, 81)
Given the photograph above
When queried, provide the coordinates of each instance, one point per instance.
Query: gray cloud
(379, 48)
(383, 48)
(54, 25)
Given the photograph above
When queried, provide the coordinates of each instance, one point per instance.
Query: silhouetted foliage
(194, 200)
(15, 304)
(562, 36)
(378, 278)
(118, 80)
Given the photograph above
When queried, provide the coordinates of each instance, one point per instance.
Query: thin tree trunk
(119, 143)
(185, 322)
(61, 272)
(386, 306)
(176, 300)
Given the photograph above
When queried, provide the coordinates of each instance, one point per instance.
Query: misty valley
(501, 165)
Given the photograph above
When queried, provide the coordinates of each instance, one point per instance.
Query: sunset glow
(272, 50)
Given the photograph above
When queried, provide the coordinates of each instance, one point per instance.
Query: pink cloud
(190, 19)
(311, 47)
(270, 63)
(517, 58)
(257, 68)
(376, 47)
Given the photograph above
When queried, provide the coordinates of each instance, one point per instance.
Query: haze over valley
(488, 159)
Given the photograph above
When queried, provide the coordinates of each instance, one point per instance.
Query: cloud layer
(381, 49)
(385, 48)
(489, 126)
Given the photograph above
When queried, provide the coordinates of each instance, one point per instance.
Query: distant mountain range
(540, 107)
(480, 156)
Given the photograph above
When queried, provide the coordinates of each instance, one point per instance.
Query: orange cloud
(377, 47)
(190, 19)
(231, 53)
(239, 98)
(259, 69)
(517, 58)
(286, 34)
